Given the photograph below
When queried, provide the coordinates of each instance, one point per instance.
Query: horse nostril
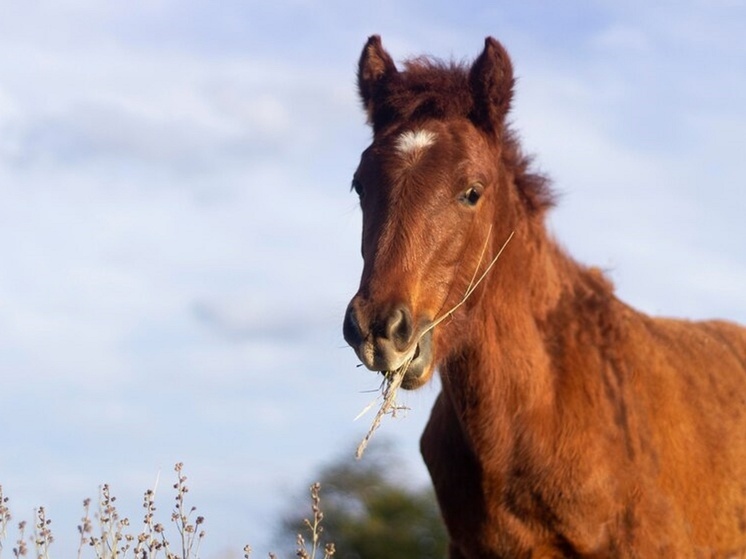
(399, 328)
(381, 340)
(351, 328)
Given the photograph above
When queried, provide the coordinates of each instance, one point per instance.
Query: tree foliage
(373, 511)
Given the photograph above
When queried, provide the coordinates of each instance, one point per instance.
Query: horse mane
(429, 88)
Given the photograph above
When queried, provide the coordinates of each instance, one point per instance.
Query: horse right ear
(374, 69)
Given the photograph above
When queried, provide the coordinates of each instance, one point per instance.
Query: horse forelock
(426, 89)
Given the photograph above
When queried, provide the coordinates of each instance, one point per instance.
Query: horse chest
(518, 501)
(558, 506)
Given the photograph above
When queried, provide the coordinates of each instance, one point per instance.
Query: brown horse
(569, 424)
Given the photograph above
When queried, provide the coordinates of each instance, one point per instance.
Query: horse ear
(491, 81)
(374, 69)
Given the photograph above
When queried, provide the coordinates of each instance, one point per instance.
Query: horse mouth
(419, 365)
(383, 354)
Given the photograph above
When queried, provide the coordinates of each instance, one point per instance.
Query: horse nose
(381, 341)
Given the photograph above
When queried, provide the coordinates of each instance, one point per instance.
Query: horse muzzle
(389, 341)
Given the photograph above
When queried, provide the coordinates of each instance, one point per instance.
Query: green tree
(372, 511)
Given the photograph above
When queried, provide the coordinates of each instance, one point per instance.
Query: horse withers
(569, 424)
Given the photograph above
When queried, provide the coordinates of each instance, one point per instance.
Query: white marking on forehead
(414, 141)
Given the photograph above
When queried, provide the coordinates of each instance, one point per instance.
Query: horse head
(437, 199)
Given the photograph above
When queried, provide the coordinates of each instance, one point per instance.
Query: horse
(568, 423)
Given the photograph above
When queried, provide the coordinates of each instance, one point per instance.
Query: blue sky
(178, 243)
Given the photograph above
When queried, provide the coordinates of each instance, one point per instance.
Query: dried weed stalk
(190, 533)
(392, 379)
(112, 542)
(21, 549)
(42, 537)
(5, 518)
(85, 527)
(315, 529)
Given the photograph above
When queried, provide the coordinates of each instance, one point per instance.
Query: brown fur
(569, 424)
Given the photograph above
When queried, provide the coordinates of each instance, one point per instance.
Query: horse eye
(471, 195)
(357, 186)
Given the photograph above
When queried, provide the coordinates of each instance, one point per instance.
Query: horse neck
(501, 369)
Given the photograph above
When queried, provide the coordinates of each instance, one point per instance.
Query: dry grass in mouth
(392, 379)
(391, 382)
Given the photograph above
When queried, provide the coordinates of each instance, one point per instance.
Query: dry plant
(5, 518)
(315, 529)
(392, 379)
(21, 549)
(107, 535)
(42, 536)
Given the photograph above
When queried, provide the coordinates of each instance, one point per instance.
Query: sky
(178, 241)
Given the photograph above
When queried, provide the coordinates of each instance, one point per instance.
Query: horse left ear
(375, 68)
(491, 81)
